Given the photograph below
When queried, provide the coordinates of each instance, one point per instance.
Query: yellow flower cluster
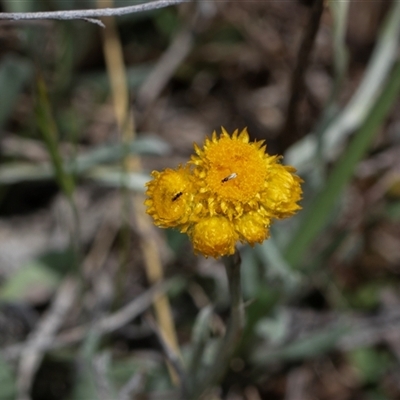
(229, 191)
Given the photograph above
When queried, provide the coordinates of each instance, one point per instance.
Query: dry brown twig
(91, 15)
(297, 85)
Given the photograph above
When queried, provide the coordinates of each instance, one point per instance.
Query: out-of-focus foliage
(321, 295)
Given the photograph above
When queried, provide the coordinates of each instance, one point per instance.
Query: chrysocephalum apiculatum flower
(170, 197)
(230, 190)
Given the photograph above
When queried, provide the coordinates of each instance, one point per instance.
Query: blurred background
(87, 113)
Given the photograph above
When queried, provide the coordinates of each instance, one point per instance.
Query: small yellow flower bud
(252, 228)
(214, 236)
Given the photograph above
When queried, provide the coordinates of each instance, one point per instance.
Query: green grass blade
(317, 215)
(48, 129)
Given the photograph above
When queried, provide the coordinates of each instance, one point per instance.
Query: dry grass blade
(117, 73)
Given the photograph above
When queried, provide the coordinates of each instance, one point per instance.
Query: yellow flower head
(170, 196)
(230, 190)
(230, 172)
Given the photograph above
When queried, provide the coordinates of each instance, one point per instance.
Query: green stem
(233, 332)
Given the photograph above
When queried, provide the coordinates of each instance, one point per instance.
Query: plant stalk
(233, 333)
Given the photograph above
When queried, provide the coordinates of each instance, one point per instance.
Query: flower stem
(234, 329)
